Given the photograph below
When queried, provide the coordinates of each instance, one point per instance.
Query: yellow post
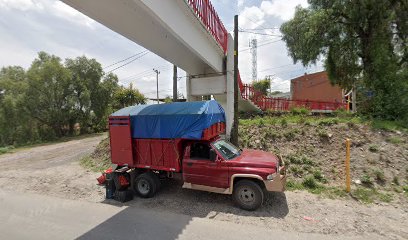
(348, 181)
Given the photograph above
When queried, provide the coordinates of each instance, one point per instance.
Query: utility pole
(234, 130)
(175, 83)
(157, 83)
(354, 98)
(253, 44)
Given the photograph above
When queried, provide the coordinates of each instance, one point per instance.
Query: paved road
(31, 216)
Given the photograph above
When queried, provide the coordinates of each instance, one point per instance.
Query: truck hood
(256, 159)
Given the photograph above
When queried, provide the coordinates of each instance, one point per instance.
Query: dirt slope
(379, 159)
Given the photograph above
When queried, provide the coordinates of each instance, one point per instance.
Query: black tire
(248, 195)
(146, 185)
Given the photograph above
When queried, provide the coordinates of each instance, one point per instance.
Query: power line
(128, 62)
(260, 45)
(264, 34)
(113, 64)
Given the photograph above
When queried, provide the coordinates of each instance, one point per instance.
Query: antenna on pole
(253, 44)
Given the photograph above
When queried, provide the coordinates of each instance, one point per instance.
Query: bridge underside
(169, 29)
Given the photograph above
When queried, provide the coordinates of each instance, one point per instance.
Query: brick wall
(315, 87)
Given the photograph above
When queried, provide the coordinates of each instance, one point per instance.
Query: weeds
(395, 181)
(6, 149)
(366, 180)
(373, 148)
(366, 195)
(284, 122)
(299, 111)
(394, 140)
(319, 176)
(310, 182)
(379, 175)
(289, 135)
(328, 121)
(323, 134)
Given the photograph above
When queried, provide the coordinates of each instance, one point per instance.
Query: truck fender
(247, 176)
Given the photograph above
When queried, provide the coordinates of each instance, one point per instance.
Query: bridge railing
(209, 17)
(248, 92)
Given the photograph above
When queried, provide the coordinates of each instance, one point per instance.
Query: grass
(311, 186)
(310, 183)
(394, 140)
(387, 125)
(7, 149)
(369, 195)
(379, 175)
(395, 181)
(366, 180)
(302, 116)
(99, 160)
(373, 148)
(95, 165)
(405, 189)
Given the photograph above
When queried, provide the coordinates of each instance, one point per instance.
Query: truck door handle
(189, 164)
(212, 164)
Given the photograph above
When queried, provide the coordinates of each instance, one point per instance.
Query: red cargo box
(158, 154)
(120, 140)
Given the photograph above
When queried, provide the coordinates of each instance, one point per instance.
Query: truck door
(199, 169)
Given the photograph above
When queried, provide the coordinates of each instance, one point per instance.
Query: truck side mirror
(213, 155)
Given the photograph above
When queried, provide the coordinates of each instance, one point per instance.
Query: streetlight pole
(157, 83)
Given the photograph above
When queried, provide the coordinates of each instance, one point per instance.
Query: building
(315, 87)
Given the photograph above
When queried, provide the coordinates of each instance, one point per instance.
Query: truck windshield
(227, 149)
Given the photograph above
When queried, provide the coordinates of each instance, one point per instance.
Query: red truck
(154, 142)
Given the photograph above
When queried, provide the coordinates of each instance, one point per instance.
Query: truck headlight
(270, 176)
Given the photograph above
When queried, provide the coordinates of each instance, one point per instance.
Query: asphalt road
(31, 216)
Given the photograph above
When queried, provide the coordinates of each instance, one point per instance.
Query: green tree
(362, 43)
(262, 86)
(125, 97)
(92, 93)
(14, 127)
(49, 96)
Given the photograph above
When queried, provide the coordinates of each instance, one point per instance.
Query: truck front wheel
(248, 195)
(146, 185)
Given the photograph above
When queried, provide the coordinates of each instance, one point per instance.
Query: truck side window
(200, 151)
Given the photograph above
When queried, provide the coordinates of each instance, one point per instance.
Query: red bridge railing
(209, 17)
(282, 104)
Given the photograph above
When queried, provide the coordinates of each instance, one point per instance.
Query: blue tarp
(173, 120)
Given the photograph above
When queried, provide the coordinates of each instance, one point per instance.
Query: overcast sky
(30, 26)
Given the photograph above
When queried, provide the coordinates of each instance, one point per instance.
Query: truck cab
(219, 166)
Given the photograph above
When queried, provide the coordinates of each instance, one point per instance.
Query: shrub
(310, 182)
(319, 176)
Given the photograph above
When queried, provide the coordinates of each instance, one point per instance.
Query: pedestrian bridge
(187, 33)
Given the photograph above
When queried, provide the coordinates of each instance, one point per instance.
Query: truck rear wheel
(146, 185)
(248, 195)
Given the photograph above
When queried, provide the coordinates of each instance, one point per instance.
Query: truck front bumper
(277, 184)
